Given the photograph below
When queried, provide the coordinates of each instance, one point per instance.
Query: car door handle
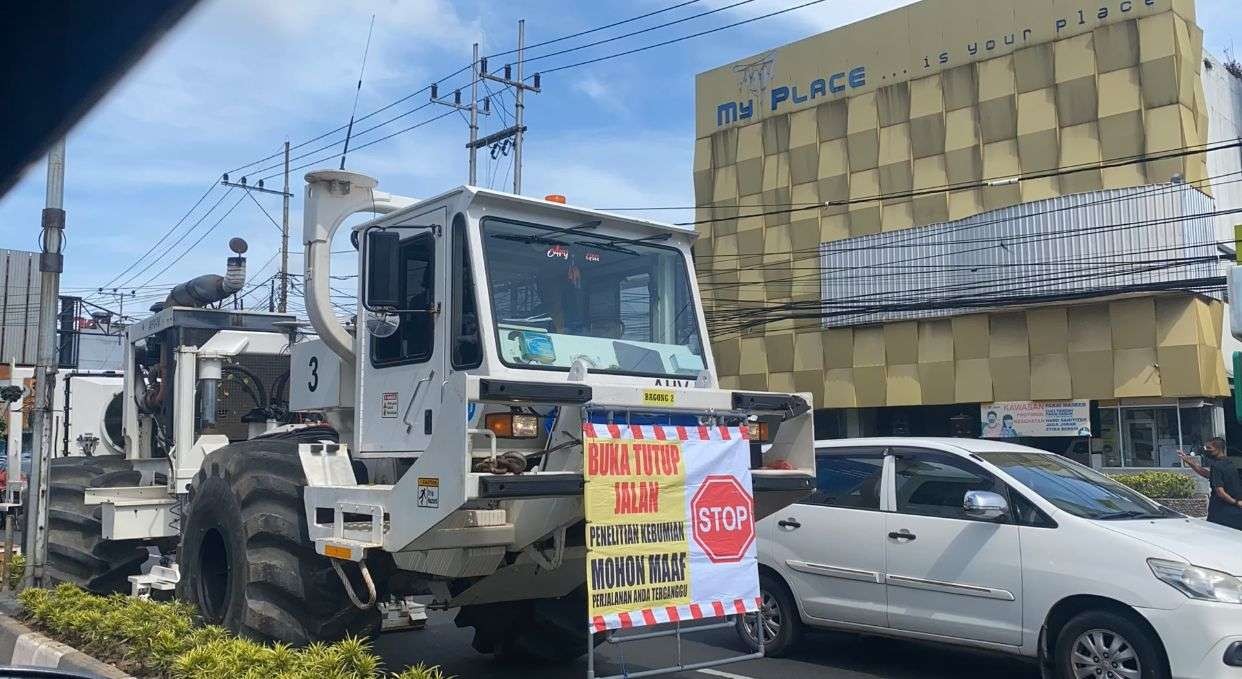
(789, 523)
(903, 534)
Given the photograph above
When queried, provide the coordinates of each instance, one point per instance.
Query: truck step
(529, 485)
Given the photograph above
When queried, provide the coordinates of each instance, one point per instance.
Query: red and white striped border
(667, 614)
(657, 432)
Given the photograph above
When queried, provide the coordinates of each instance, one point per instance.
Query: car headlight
(1198, 582)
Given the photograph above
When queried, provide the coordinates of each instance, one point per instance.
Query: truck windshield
(561, 295)
(1079, 490)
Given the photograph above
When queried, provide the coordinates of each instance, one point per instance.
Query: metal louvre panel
(19, 306)
(1069, 244)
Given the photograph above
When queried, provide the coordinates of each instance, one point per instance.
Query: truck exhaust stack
(210, 288)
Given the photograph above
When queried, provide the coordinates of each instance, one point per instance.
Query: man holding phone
(1225, 502)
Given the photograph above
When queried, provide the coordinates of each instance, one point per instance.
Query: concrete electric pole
(51, 264)
(520, 88)
(284, 240)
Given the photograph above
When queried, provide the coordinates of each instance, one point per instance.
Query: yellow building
(964, 202)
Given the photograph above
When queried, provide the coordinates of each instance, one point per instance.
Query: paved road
(837, 656)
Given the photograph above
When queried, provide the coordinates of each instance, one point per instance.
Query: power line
(128, 281)
(371, 143)
(269, 216)
(995, 182)
(682, 38)
(211, 187)
(196, 243)
(639, 32)
(598, 29)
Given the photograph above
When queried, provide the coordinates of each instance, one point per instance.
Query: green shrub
(162, 639)
(1160, 484)
(16, 568)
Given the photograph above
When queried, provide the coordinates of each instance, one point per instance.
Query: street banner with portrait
(1014, 419)
(670, 527)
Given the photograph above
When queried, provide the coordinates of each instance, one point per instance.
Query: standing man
(1225, 502)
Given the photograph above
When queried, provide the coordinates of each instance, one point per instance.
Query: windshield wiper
(534, 238)
(1128, 514)
(528, 239)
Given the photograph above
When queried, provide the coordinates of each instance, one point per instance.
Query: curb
(24, 647)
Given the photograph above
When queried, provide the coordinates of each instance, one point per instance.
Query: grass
(164, 640)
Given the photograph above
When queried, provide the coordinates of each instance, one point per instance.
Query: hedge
(163, 640)
(1160, 484)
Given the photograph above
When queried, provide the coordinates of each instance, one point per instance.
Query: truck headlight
(512, 425)
(1198, 582)
(757, 431)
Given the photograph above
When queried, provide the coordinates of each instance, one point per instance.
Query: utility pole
(284, 224)
(284, 240)
(474, 144)
(51, 264)
(474, 121)
(519, 107)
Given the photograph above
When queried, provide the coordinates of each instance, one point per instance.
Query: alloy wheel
(770, 612)
(1104, 654)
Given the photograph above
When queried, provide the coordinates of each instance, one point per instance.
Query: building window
(1149, 434)
(1197, 425)
(1109, 446)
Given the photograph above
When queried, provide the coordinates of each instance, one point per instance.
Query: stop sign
(724, 519)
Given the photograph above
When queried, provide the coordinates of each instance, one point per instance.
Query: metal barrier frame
(676, 631)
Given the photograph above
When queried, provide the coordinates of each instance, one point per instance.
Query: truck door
(399, 392)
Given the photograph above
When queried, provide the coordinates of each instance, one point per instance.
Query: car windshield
(1079, 490)
(563, 295)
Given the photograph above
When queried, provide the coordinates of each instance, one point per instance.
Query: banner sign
(1011, 419)
(670, 524)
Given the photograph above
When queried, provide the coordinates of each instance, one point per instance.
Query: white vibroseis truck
(301, 477)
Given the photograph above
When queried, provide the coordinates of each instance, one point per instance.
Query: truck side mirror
(383, 263)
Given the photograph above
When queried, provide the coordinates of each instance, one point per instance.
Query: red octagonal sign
(724, 519)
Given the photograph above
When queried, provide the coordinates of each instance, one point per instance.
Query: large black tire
(782, 622)
(1109, 641)
(539, 630)
(76, 550)
(247, 561)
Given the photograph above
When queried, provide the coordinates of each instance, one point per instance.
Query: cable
(312, 152)
(371, 143)
(269, 216)
(596, 30)
(634, 33)
(128, 281)
(983, 184)
(195, 244)
(211, 187)
(682, 38)
(919, 236)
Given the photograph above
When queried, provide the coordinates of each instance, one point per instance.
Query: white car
(1002, 547)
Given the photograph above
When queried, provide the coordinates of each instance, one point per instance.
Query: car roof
(954, 445)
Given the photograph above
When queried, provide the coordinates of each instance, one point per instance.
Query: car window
(929, 483)
(1027, 514)
(848, 479)
(1076, 489)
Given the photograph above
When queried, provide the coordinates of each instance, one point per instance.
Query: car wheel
(1105, 645)
(781, 625)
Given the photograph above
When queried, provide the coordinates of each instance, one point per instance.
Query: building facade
(959, 204)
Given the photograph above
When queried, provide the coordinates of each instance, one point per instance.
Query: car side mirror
(383, 263)
(985, 505)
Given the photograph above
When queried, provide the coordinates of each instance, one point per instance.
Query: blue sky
(235, 79)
